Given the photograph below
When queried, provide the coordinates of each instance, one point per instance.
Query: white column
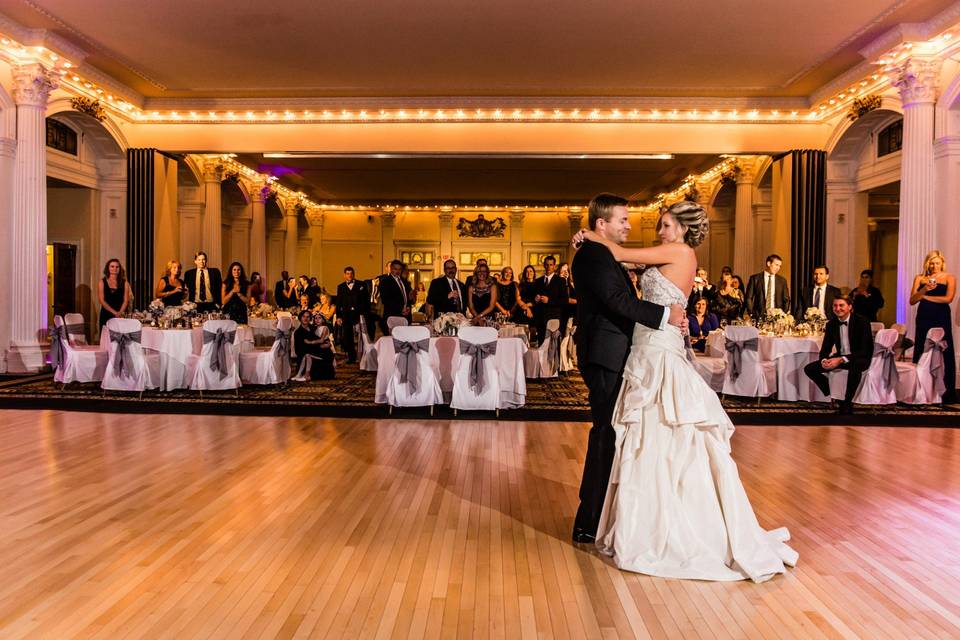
(388, 220)
(28, 289)
(315, 217)
(575, 219)
(446, 236)
(916, 79)
(744, 260)
(290, 240)
(517, 260)
(258, 229)
(8, 158)
(212, 213)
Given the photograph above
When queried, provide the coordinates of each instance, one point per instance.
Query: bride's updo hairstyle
(693, 217)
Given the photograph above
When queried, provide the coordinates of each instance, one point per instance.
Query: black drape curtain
(808, 215)
(140, 213)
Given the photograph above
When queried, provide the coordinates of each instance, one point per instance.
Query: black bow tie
(842, 323)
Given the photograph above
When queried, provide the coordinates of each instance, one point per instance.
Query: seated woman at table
(170, 288)
(702, 323)
(234, 296)
(482, 295)
(508, 294)
(728, 303)
(326, 308)
(309, 340)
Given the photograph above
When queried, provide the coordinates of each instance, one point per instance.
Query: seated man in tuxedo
(353, 301)
(550, 297)
(203, 284)
(446, 294)
(394, 295)
(821, 295)
(767, 290)
(848, 345)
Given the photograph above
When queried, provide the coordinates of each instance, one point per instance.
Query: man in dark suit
(821, 295)
(447, 294)
(702, 290)
(758, 299)
(353, 301)
(394, 295)
(550, 297)
(279, 297)
(203, 284)
(847, 344)
(607, 310)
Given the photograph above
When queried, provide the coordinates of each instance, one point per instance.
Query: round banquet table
(175, 347)
(790, 353)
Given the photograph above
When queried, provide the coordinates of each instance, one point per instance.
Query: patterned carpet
(351, 395)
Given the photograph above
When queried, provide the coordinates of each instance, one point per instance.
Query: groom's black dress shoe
(581, 536)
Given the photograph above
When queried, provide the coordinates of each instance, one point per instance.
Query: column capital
(33, 84)
(291, 210)
(516, 217)
(917, 79)
(446, 216)
(388, 216)
(315, 217)
(212, 170)
(259, 191)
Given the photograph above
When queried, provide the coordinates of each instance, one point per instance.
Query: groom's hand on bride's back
(678, 317)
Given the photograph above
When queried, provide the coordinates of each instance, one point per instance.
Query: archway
(86, 209)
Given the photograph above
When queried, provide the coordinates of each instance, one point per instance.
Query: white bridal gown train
(675, 506)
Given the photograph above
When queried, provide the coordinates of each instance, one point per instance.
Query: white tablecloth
(445, 357)
(175, 347)
(791, 354)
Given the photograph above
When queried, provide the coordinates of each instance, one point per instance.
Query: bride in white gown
(675, 506)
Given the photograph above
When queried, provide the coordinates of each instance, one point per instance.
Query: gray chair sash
(218, 355)
(735, 352)
(123, 363)
(479, 353)
(407, 360)
(936, 350)
(57, 356)
(283, 339)
(890, 377)
(75, 330)
(553, 351)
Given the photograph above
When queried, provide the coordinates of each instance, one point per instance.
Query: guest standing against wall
(113, 291)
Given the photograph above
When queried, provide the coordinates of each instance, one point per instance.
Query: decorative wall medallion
(89, 107)
(481, 227)
(862, 106)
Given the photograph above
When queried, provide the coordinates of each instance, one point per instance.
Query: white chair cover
(568, 349)
(750, 376)
(711, 369)
(544, 361)
(270, 365)
(466, 395)
(76, 363)
(424, 389)
(368, 349)
(875, 327)
(920, 383)
(200, 371)
(129, 367)
(76, 329)
(879, 384)
(396, 321)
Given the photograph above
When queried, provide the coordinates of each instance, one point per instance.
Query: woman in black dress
(170, 288)
(934, 290)
(867, 299)
(234, 298)
(482, 294)
(527, 289)
(315, 342)
(508, 294)
(728, 304)
(114, 291)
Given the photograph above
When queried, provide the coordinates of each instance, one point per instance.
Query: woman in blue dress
(933, 292)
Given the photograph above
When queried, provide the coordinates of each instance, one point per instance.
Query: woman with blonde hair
(170, 289)
(933, 291)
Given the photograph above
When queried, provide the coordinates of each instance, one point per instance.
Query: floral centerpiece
(155, 309)
(779, 321)
(815, 318)
(262, 310)
(447, 324)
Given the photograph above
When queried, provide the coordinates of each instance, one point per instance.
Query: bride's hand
(582, 235)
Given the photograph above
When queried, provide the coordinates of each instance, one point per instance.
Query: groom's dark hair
(602, 207)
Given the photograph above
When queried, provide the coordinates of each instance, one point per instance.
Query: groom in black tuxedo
(607, 309)
(847, 344)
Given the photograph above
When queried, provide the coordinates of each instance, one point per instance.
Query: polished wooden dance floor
(118, 526)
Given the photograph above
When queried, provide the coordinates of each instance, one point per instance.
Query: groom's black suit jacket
(607, 308)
